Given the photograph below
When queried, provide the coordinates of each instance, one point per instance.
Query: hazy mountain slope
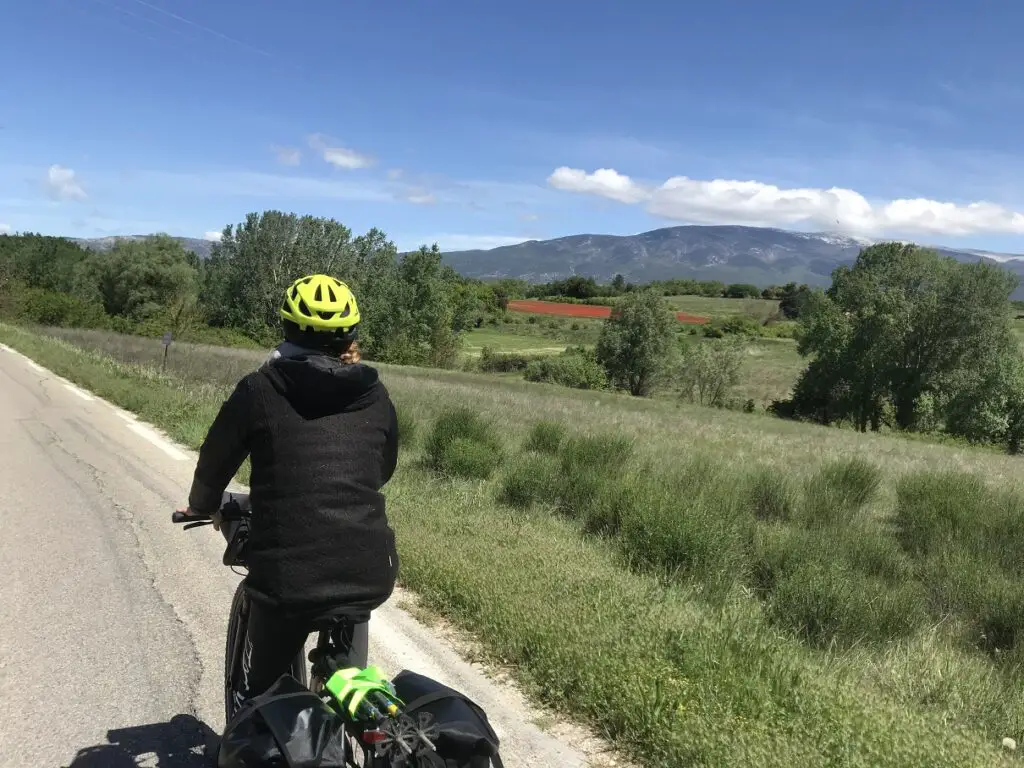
(729, 253)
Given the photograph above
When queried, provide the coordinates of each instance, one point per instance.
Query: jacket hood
(321, 383)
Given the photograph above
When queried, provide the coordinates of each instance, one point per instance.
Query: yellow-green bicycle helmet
(320, 303)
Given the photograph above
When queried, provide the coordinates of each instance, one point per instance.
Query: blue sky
(475, 124)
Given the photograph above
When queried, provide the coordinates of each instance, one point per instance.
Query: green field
(704, 587)
(718, 307)
(502, 341)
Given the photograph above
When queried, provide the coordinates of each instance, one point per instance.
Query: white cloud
(288, 155)
(395, 173)
(212, 236)
(419, 196)
(4, 228)
(754, 203)
(63, 184)
(604, 181)
(339, 157)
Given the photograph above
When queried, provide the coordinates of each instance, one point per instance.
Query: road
(113, 619)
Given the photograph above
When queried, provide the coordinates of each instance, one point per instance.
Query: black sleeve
(223, 451)
(391, 446)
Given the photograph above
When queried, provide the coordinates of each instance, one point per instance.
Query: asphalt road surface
(112, 619)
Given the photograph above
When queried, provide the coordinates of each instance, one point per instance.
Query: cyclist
(321, 433)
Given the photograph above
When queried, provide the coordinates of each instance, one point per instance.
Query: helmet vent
(330, 292)
(319, 295)
(304, 309)
(346, 311)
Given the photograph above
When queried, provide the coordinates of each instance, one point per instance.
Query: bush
(462, 444)
(691, 524)
(734, 325)
(770, 494)
(408, 427)
(59, 310)
(545, 437)
(602, 452)
(576, 367)
(828, 603)
(503, 362)
(529, 480)
(839, 490)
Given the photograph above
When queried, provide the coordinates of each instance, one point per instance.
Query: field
(499, 341)
(591, 311)
(719, 307)
(705, 587)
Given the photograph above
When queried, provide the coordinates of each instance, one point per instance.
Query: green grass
(672, 575)
(500, 341)
(718, 307)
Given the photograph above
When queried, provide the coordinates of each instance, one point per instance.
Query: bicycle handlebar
(227, 515)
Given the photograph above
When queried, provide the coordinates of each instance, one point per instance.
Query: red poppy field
(534, 307)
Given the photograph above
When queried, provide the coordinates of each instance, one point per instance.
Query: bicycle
(375, 725)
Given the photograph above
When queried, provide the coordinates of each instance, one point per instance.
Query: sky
(477, 124)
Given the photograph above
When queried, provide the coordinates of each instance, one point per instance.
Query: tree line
(414, 306)
(904, 339)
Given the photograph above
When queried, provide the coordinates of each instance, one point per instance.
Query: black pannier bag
(466, 739)
(288, 726)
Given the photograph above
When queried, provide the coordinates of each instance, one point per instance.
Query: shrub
(692, 523)
(408, 427)
(502, 362)
(734, 325)
(462, 444)
(545, 437)
(839, 490)
(576, 367)
(935, 510)
(603, 452)
(827, 603)
(770, 494)
(529, 480)
(60, 310)
(464, 457)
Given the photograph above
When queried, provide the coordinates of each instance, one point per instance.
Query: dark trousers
(273, 640)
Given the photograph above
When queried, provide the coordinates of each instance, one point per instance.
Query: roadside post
(166, 341)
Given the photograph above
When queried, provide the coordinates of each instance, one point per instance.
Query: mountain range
(732, 254)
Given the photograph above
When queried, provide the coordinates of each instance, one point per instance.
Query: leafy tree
(791, 299)
(906, 334)
(711, 369)
(255, 261)
(742, 291)
(618, 284)
(141, 278)
(637, 343)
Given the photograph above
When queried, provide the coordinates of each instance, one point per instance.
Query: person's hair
(332, 343)
(352, 355)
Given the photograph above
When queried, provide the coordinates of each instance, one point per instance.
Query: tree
(711, 369)
(138, 279)
(904, 329)
(255, 262)
(637, 343)
(618, 284)
(742, 291)
(791, 299)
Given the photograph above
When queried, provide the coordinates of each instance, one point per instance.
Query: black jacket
(322, 437)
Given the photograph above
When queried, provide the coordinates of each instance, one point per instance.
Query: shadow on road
(184, 742)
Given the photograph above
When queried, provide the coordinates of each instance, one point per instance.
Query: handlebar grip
(181, 517)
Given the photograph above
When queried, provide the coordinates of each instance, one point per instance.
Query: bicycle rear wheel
(234, 646)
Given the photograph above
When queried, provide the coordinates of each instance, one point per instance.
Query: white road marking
(35, 365)
(126, 416)
(158, 441)
(72, 388)
(5, 348)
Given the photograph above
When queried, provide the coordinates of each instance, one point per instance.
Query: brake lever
(196, 524)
